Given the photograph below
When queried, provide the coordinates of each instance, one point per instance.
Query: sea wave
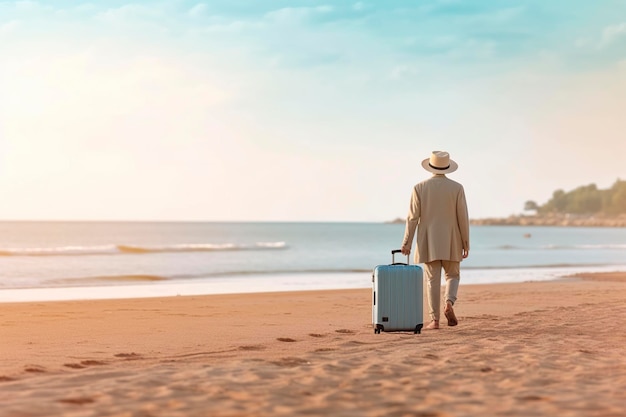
(508, 247)
(296, 272)
(537, 266)
(297, 278)
(609, 246)
(139, 249)
(108, 278)
(211, 275)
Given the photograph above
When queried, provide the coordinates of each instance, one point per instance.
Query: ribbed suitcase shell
(398, 298)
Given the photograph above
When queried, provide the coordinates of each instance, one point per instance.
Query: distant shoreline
(554, 220)
(546, 220)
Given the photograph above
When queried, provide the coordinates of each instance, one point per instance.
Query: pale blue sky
(303, 110)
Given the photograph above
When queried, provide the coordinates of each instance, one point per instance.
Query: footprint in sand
(35, 369)
(532, 398)
(77, 401)
(320, 350)
(345, 331)
(355, 343)
(252, 347)
(316, 335)
(128, 356)
(92, 363)
(286, 339)
(290, 362)
(84, 364)
(6, 378)
(74, 365)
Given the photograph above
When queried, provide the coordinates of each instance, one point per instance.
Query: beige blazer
(439, 213)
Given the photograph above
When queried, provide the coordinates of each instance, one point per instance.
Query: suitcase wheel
(378, 328)
(418, 329)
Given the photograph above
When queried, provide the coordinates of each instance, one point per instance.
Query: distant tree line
(587, 199)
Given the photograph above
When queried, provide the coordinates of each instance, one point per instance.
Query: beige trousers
(432, 271)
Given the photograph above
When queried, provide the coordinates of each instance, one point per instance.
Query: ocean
(75, 260)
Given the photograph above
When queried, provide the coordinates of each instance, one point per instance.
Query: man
(439, 213)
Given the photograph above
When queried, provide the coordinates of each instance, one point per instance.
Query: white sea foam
(137, 249)
(277, 283)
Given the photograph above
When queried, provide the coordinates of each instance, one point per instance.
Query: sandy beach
(530, 349)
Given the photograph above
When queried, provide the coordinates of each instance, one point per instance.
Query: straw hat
(439, 163)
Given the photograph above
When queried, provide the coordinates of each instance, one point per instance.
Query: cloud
(400, 72)
(583, 42)
(126, 12)
(233, 27)
(108, 94)
(9, 26)
(27, 5)
(474, 11)
(611, 33)
(85, 7)
(25, 8)
(505, 15)
(197, 10)
(290, 14)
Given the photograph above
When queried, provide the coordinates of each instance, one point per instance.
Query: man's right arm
(412, 219)
(463, 221)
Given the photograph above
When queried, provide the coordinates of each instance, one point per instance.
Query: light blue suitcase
(398, 297)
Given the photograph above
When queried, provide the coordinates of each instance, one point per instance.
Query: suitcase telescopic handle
(393, 257)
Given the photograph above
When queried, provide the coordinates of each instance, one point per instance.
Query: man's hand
(465, 253)
(406, 250)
